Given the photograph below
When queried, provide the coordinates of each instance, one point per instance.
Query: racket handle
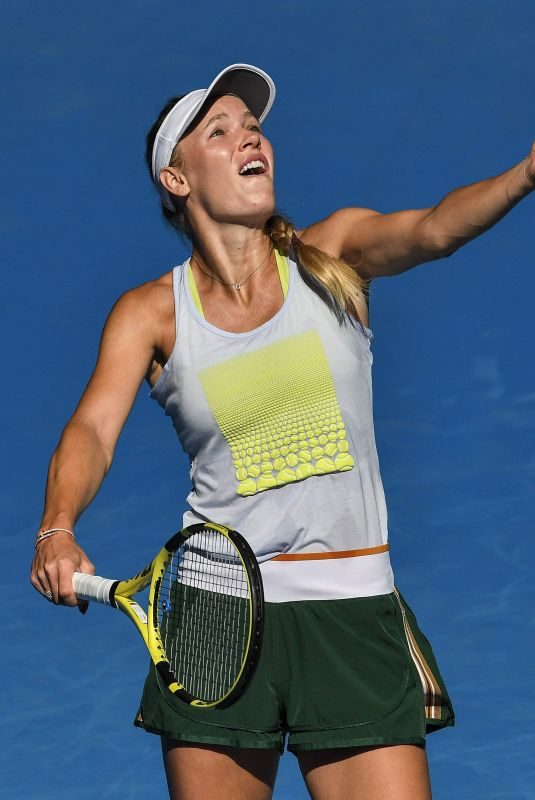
(91, 587)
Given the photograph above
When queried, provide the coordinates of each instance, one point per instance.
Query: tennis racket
(204, 620)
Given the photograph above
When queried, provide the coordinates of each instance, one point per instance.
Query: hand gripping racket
(204, 620)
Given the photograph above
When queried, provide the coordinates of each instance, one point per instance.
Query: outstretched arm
(387, 244)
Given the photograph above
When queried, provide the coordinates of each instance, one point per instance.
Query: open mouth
(255, 167)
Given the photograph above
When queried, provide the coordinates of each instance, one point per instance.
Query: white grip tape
(91, 587)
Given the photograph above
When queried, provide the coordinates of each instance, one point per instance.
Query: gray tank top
(277, 423)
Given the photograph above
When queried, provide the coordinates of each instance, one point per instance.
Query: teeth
(251, 165)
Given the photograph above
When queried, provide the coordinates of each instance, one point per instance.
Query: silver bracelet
(42, 535)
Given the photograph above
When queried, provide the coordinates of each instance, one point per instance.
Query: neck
(230, 252)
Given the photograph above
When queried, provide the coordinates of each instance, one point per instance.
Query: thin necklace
(239, 284)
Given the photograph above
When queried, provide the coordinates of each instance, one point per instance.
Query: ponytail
(333, 279)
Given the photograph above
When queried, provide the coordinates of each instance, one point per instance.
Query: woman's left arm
(387, 244)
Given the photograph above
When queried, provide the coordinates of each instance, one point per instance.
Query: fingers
(40, 583)
(529, 165)
(87, 567)
(52, 571)
(62, 587)
(66, 570)
(55, 579)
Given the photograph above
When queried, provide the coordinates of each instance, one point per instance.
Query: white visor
(252, 85)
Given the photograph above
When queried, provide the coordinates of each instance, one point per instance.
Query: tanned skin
(227, 214)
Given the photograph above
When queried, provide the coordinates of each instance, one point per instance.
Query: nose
(250, 139)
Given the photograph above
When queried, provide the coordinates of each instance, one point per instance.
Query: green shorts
(332, 673)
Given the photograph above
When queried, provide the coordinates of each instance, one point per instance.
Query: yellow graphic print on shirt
(277, 409)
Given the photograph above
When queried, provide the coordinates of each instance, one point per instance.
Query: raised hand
(529, 165)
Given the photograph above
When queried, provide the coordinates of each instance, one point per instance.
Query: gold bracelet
(42, 535)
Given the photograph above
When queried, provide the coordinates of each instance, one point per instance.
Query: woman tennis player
(258, 349)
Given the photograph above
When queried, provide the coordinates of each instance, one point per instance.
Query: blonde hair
(335, 281)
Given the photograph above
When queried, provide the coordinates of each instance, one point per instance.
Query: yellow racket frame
(147, 623)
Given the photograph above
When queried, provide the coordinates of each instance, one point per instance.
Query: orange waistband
(368, 551)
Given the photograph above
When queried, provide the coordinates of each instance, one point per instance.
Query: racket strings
(204, 614)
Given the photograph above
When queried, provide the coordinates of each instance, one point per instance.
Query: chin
(256, 215)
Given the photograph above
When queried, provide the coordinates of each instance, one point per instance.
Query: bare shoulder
(151, 298)
(129, 347)
(146, 309)
(335, 234)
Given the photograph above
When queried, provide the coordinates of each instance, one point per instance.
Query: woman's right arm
(84, 454)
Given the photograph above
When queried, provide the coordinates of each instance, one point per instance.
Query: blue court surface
(386, 105)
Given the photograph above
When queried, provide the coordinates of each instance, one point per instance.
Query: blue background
(385, 105)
